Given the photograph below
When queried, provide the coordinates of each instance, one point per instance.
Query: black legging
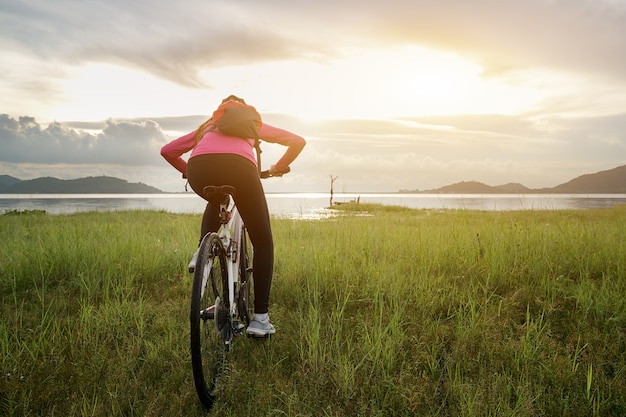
(235, 170)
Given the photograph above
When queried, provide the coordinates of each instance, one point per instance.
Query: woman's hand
(274, 172)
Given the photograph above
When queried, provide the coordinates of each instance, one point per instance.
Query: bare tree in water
(332, 183)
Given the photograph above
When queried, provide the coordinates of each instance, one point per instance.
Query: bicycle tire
(245, 302)
(208, 338)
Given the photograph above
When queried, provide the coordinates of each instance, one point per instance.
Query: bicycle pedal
(208, 314)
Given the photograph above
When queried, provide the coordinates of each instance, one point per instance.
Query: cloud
(23, 140)
(383, 155)
(429, 152)
(178, 43)
(592, 139)
(565, 35)
(171, 43)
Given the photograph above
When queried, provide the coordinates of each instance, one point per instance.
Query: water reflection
(307, 205)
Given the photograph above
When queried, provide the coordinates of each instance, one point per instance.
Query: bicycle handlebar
(267, 174)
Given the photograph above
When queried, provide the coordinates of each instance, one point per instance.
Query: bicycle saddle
(218, 192)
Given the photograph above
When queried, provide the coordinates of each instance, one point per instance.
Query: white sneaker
(192, 264)
(260, 328)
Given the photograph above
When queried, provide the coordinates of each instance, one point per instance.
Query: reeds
(379, 311)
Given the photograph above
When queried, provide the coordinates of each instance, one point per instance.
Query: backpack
(238, 119)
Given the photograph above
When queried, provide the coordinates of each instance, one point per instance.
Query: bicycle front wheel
(209, 334)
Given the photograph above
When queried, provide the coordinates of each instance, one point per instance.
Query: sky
(394, 95)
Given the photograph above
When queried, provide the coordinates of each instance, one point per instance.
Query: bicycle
(221, 294)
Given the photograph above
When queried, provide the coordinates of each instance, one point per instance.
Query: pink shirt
(217, 143)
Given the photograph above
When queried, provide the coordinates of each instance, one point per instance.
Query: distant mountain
(468, 187)
(475, 187)
(513, 188)
(89, 185)
(612, 181)
(7, 181)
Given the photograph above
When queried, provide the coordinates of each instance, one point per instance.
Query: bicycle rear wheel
(210, 328)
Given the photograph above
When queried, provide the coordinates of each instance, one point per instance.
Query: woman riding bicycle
(218, 159)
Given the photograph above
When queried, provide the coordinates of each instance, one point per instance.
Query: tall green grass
(380, 311)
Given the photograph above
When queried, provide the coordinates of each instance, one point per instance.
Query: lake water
(306, 205)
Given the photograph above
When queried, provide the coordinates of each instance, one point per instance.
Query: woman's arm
(294, 144)
(172, 151)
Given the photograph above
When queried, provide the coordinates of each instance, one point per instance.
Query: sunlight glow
(411, 81)
(375, 84)
(100, 91)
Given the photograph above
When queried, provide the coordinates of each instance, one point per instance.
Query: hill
(612, 181)
(475, 187)
(89, 185)
(7, 181)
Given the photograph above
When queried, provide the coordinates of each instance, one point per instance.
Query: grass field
(380, 311)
